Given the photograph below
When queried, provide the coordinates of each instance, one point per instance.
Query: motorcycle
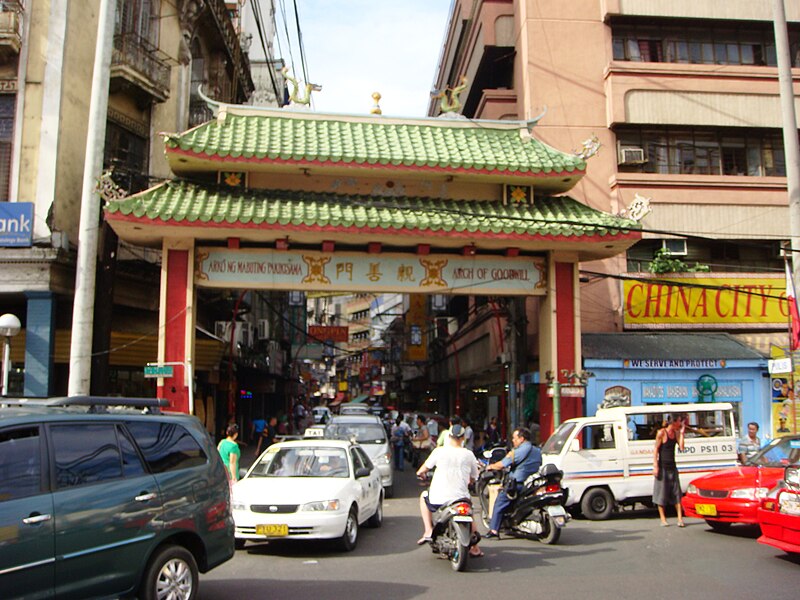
(452, 533)
(537, 511)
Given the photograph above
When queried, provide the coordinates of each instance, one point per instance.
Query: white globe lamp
(9, 327)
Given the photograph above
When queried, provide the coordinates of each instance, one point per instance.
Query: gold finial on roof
(376, 110)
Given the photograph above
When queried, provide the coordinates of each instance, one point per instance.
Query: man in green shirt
(230, 453)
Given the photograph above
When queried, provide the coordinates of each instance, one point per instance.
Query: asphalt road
(628, 556)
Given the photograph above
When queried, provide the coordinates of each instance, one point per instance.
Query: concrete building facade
(166, 55)
(683, 99)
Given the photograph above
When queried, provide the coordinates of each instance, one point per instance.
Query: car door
(373, 482)
(27, 554)
(361, 485)
(598, 455)
(107, 509)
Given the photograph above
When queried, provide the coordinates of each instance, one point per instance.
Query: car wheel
(349, 538)
(171, 573)
(720, 526)
(376, 520)
(597, 504)
(239, 544)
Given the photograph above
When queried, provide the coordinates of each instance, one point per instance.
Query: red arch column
(559, 340)
(176, 322)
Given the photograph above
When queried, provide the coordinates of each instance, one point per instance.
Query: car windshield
(302, 462)
(364, 433)
(556, 442)
(779, 453)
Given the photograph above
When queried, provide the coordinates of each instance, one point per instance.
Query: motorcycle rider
(524, 460)
(456, 467)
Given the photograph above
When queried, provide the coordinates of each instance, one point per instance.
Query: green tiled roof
(492, 147)
(181, 202)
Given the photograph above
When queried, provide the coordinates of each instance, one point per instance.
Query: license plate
(556, 511)
(707, 510)
(273, 530)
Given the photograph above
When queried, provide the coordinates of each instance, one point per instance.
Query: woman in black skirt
(667, 486)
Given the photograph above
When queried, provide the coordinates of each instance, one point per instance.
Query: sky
(356, 47)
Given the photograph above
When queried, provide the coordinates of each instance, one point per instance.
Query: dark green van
(108, 497)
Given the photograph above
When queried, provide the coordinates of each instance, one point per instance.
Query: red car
(734, 495)
(779, 514)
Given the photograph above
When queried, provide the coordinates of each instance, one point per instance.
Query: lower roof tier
(182, 209)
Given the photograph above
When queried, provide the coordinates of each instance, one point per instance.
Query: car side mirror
(362, 472)
(575, 445)
(792, 476)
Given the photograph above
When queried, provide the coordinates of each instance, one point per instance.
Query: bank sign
(354, 272)
(689, 300)
(16, 224)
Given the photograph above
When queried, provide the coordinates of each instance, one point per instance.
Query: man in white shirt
(456, 467)
(433, 428)
(469, 436)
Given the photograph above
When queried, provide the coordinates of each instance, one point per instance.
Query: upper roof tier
(260, 139)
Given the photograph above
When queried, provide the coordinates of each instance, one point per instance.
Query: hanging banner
(689, 300)
(357, 272)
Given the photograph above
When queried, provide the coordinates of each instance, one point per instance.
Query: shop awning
(666, 346)
(360, 398)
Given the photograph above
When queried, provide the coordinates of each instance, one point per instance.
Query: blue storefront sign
(16, 224)
(737, 381)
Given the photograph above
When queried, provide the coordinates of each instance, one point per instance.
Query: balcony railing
(240, 61)
(10, 30)
(138, 62)
(198, 111)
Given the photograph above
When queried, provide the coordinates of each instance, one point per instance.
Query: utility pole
(791, 151)
(790, 142)
(80, 352)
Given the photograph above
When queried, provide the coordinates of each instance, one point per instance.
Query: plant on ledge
(663, 262)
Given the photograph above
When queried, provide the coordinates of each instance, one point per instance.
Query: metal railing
(199, 112)
(131, 50)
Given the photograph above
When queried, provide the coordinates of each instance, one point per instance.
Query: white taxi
(308, 490)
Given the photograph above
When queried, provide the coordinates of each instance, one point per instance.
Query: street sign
(780, 365)
(568, 391)
(151, 371)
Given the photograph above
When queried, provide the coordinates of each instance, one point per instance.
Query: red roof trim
(371, 231)
(366, 165)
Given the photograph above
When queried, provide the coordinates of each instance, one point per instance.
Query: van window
(555, 443)
(85, 454)
(167, 446)
(597, 437)
(20, 463)
(702, 424)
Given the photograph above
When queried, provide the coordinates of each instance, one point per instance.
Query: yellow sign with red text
(687, 300)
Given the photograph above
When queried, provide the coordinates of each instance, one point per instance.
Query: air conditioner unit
(631, 155)
(263, 329)
(243, 334)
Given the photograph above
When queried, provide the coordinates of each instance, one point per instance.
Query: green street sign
(158, 371)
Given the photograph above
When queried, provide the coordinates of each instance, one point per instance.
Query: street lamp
(9, 327)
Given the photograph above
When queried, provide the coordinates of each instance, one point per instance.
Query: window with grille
(706, 151)
(7, 105)
(128, 154)
(700, 43)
